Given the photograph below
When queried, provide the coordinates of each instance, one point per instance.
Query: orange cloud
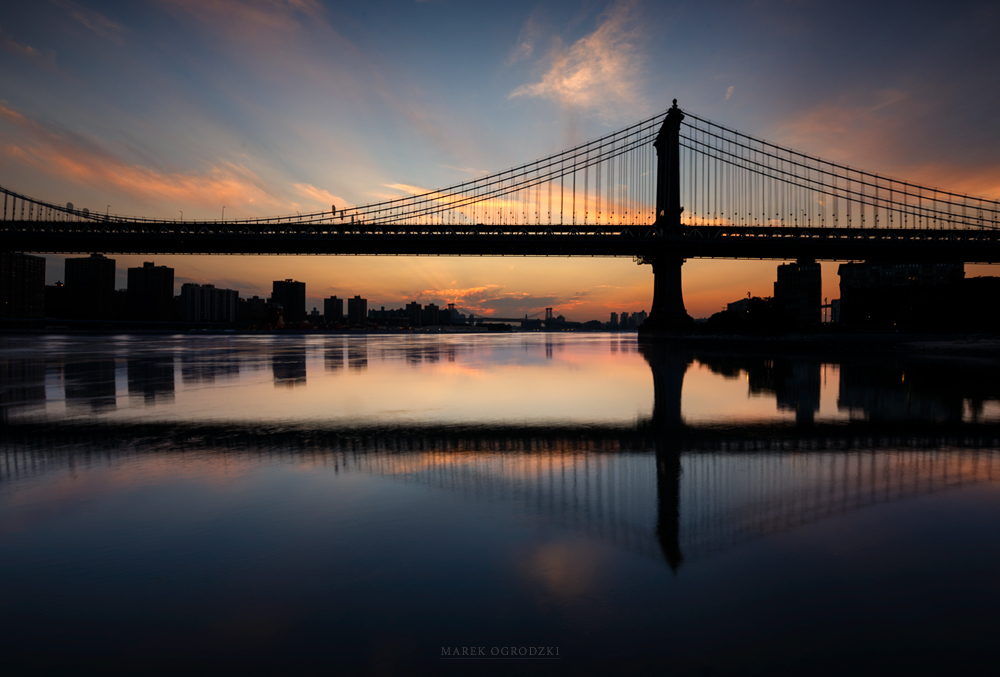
(80, 161)
(599, 71)
(319, 196)
(454, 295)
(874, 131)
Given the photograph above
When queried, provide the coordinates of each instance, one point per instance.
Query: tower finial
(675, 103)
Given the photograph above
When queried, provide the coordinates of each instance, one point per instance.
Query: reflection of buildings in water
(911, 390)
(881, 392)
(205, 365)
(431, 353)
(333, 356)
(796, 384)
(22, 383)
(799, 388)
(152, 379)
(357, 354)
(289, 366)
(554, 343)
(90, 384)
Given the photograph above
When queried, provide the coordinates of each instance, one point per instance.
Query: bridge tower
(668, 313)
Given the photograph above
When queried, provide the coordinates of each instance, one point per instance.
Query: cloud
(729, 91)
(252, 18)
(599, 72)
(293, 41)
(526, 40)
(319, 196)
(488, 300)
(9, 44)
(78, 160)
(95, 21)
(885, 131)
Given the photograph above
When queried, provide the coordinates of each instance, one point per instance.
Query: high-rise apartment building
(22, 285)
(291, 296)
(333, 309)
(151, 292)
(90, 287)
(415, 312)
(357, 311)
(205, 303)
(800, 289)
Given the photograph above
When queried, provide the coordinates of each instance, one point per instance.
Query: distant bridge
(672, 187)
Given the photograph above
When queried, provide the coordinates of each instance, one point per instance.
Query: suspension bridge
(669, 188)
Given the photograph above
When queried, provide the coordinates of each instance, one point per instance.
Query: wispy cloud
(253, 18)
(885, 131)
(95, 21)
(600, 71)
(299, 40)
(76, 159)
(526, 40)
(319, 196)
(729, 91)
(9, 44)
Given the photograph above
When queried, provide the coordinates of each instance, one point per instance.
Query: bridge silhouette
(666, 189)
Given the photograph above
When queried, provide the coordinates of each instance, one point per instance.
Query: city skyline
(147, 289)
(276, 107)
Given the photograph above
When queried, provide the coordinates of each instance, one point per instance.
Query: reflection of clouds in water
(565, 569)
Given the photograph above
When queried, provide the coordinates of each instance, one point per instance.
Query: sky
(166, 108)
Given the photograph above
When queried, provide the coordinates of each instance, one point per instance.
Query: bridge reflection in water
(663, 488)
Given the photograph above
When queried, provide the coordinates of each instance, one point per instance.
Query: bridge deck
(970, 245)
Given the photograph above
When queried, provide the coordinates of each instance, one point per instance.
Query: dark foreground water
(490, 505)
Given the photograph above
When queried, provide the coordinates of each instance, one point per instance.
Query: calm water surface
(364, 505)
